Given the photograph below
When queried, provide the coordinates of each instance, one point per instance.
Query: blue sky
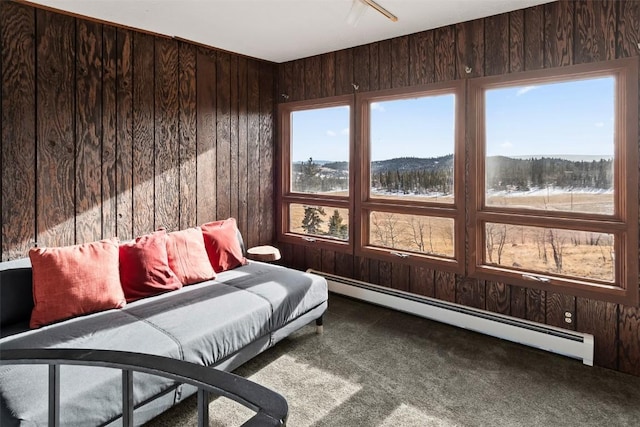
(570, 118)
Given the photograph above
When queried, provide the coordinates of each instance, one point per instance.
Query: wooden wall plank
(361, 269)
(422, 281)
(534, 38)
(234, 136)
(629, 343)
(253, 152)
(385, 274)
(498, 297)
(384, 65)
(536, 305)
(445, 288)
(206, 135)
(497, 48)
(344, 264)
(422, 58)
(313, 77)
(444, 46)
(470, 292)
(297, 81)
(374, 66)
(313, 257)
(88, 132)
(55, 150)
(361, 68)
(518, 299)
(18, 124)
(516, 41)
(470, 49)
(167, 136)
(243, 164)
(188, 135)
(400, 62)
(267, 157)
(328, 261)
(328, 74)
(558, 33)
(401, 277)
(298, 258)
(557, 307)
(143, 134)
(601, 320)
(109, 131)
(344, 71)
(595, 31)
(223, 136)
(628, 34)
(374, 271)
(124, 134)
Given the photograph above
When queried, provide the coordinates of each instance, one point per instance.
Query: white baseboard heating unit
(556, 340)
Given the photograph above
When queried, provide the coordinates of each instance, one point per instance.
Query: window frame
(623, 223)
(367, 204)
(286, 196)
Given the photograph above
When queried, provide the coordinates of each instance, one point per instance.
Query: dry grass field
(544, 250)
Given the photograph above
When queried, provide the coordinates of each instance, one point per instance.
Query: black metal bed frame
(270, 407)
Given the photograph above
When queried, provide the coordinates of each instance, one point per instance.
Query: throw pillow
(222, 244)
(188, 257)
(144, 267)
(74, 280)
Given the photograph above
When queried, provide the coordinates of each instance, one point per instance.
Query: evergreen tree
(311, 222)
(336, 227)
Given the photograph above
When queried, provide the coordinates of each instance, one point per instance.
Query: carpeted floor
(378, 367)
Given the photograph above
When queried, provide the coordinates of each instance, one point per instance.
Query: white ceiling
(283, 30)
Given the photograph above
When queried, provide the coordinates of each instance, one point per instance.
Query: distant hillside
(402, 164)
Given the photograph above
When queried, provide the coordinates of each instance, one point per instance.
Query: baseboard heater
(556, 340)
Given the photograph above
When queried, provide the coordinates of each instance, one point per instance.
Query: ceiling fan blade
(381, 9)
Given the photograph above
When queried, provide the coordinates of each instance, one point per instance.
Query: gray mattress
(205, 323)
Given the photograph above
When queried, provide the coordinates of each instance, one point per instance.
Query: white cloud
(331, 133)
(375, 106)
(525, 90)
(506, 144)
(344, 131)
(599, 124)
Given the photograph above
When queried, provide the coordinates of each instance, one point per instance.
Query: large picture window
(412, 173)
(316, 180)
(528, 178)
(556, 167)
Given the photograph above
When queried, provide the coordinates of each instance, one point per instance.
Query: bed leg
(319, 327)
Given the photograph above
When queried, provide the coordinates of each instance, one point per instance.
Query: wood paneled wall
(552, 35)
(108, 131)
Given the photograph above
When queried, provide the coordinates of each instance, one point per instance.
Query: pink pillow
(188, 257)
(144, 267)
(74, 280)
(223, 246)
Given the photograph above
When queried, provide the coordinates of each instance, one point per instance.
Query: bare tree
(557, 243)
(418, 233)
(541, 242)
(496, 237)
(385, 229)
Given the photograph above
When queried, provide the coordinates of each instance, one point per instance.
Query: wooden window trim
(285, 196)
(623, 223)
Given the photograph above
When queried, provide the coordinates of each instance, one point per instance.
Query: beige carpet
(378, 367)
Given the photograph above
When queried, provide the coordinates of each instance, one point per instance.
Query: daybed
(220, 323)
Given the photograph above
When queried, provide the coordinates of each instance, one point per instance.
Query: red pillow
(223, 246)
(144, 267)
(74, 280)
(188, 257)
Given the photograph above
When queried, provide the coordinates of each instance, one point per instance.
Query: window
(528, 178)
(411, 146)
(556, 168)
(316, 163)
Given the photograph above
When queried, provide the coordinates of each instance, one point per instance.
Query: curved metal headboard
(270, 407)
